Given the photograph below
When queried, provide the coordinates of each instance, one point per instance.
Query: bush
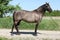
(53, 13)
(6, 22)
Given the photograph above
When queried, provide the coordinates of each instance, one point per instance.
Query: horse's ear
(47, 3)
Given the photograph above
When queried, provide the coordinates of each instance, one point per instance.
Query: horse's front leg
(36, 28)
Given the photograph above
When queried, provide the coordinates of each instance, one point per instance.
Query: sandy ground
(28, 35)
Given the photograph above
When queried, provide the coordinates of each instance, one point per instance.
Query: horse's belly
(31, 19)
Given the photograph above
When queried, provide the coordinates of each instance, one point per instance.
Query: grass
(46, 24)
(3, 38)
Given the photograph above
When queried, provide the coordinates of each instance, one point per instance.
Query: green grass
(3, 38)
(46, 24)
(28, 38)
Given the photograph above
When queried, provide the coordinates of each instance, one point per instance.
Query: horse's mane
(39, 7)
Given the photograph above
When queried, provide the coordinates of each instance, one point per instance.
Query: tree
(6, 8)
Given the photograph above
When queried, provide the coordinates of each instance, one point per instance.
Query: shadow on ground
(24, 33)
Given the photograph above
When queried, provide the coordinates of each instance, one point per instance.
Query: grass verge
(46, 24)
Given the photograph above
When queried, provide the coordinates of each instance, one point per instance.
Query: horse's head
(47, 7)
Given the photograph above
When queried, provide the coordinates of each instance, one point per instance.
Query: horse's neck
(40, 10)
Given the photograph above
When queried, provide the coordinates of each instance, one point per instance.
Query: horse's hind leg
(12, 28)
(16, 25)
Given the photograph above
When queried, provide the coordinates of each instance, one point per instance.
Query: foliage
(53, 13)
(17, 7)
(6, 8)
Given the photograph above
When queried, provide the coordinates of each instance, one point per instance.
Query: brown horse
(34, 16)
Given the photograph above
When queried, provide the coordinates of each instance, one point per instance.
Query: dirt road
(28, 34)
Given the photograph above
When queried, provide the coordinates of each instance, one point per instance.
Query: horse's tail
(13, 15)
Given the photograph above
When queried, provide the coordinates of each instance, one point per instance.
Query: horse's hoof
(35, 34)
(18, 32)
(11, 32)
